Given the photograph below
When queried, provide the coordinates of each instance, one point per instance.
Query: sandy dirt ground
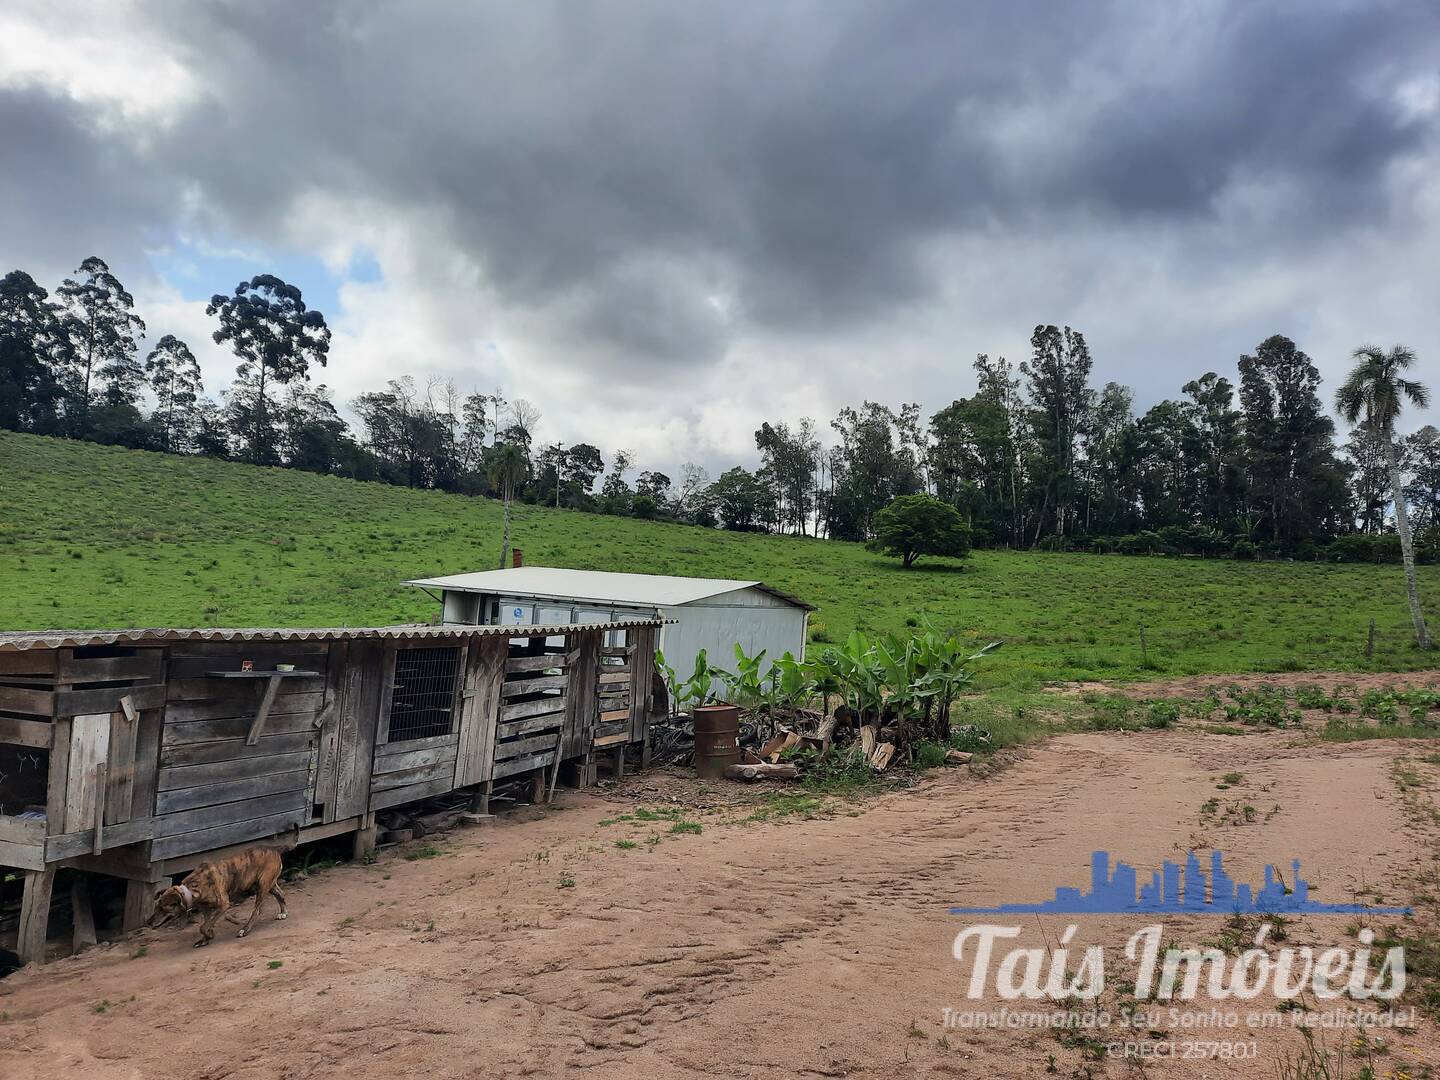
(821, 946)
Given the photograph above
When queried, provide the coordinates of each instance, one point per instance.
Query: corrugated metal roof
(23, 640)
(555, 583)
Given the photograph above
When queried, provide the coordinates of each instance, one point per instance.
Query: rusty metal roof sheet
(23, 640)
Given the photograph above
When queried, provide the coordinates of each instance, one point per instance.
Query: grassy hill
(93, 536)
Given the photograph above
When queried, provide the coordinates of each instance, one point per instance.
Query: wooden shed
(141, 753)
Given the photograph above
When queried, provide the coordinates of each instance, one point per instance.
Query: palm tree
(507, 465)
(1374, 394)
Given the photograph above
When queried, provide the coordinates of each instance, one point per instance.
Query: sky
(663, 223)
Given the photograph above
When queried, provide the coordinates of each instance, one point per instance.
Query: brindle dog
(211, 888)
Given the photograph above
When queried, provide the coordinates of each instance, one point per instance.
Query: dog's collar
(186, 896)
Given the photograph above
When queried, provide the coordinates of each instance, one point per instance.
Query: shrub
(915, 525)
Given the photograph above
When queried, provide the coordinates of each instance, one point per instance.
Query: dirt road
(540, 947)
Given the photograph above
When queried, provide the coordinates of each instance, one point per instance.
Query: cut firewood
(881, 758)
(869, 737)
(957, 757)
(778, 745)
(825, 731)
(761, 772)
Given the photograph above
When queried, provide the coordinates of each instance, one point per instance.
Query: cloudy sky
(662, 222)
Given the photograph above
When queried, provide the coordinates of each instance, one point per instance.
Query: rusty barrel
(717, 739)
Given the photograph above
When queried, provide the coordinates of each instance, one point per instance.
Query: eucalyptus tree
(1058, 373)
(506, 467)
(174, 375)
(1375, 393)
(1423, 451)
(267, 325)
(102, 325)
(33, 348)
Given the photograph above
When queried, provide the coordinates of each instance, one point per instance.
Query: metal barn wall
(754, 619)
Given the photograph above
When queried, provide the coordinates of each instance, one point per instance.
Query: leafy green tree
(1216, 441)
(277, 338)
(33, 348)
(1060, 404)
(507, 467)
(916, 525)
(1374, 393)
(739, 500)
(1423, 491)
(102, 328)
(1289, 441)
(174, 375)
(615, 493)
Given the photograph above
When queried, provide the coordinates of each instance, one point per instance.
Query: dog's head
(173, 903)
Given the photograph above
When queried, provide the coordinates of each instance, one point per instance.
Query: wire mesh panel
(422, 704)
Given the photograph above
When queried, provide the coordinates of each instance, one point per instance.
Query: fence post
(1144, 651)
(1370, 642)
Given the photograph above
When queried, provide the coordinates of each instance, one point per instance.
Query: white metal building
(708, 613)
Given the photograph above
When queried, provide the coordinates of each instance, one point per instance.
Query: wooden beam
(107, 699)
(23, 700)
(35, 916)
(272, 687)
(84, 916)
(140, 901)
(32, 733)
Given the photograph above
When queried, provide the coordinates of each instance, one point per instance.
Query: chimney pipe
(517, 557)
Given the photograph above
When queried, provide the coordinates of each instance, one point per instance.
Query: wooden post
(84, 914)
(537, 786)
(619, 766)
(365, 837)
(35, 916)
(1370, 642)
(140, 902)
(1144, 652)
(480, 798)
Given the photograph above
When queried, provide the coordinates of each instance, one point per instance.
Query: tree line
(1038, 456)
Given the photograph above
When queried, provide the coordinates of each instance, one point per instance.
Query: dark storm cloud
(802, 162)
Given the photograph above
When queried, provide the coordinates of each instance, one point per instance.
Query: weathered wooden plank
(22, 856)
(611, 702)
(34, 916)
(235, 749)
(504, 751)
(209, 817)
(519, 687)
(234, 727)
(359, 711)
(327, 750)
(390, 763)
(32, 733)
(613, 739)
(169, 802)
(145, 664)
(513, 729)
(424, 774)
(71, 844)
(203, 689)
(426, 743)
(479, 705)
(611, 727)
(89, 746)
(193, 775)
(223, 835)
(555, 703)
(262, 713)
(29, 662)
(147, 762)
(642, 667)
(57, 782)
(228, 708)
(387, 692)
(310, 658)
(14, 830)
(614, 714)
(120, 768)
(26, 700)
(580, 695)
(396, 796)
(107, 699)
(544, 662)
(525, 764)
(609, 677)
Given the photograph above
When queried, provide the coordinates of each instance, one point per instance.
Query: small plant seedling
(101, 1007)
(686, 827)
(566, 881)
(429, 851)
(275, 964)
(139, 951)
(626, 845)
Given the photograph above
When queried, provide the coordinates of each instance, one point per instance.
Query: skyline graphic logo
(1169, 891)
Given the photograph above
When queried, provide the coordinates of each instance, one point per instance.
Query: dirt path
(814, 947)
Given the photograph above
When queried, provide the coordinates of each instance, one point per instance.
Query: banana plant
(745, 686)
